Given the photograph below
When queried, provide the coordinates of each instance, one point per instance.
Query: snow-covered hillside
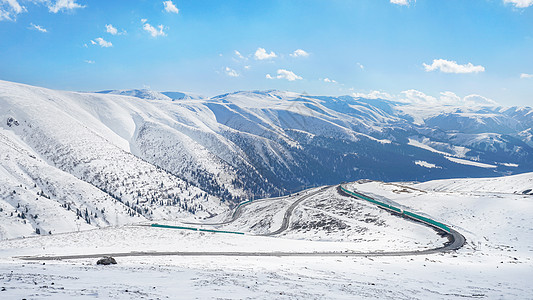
(521, 184)
(160, 155)
(66, 165)
(311, 259)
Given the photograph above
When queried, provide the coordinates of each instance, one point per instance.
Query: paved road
(288, 212)
(286, 218)
(455, 241)
(232, 253)
(237, 213)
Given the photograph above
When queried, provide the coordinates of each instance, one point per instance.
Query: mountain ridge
(154, 158)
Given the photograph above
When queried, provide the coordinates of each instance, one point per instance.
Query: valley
(222, 193)
(121, 157)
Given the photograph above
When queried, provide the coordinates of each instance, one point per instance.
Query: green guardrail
(195, 229)
(239, 205)
(385, 205)
(427, 220)
(398, 210)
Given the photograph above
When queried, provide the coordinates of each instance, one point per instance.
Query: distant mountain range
(113, 157)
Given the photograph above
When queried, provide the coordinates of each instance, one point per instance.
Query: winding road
(455, 240)
(288, 212)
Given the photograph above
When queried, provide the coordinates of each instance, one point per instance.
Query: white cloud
(448, 66)
(520, 3)
(170, 7)
(446, 98)
(400, 2)
(261, 54)
(231, 73)
(89, 62)
(247, 67)
(113, 30)
(419, 98)
(525, 76)
(374, 95)
(9, 9)
(37, 27)
(299, 53)
(144, 20)
(285, 74)
(64, 5)
(473, 100)
(103, 43)
(289, 75)
(4, 15)
(239, 55)
(449, 98)
(361, 66)
(329, 80)
(110, 29)
(414, 96)
(152, 30)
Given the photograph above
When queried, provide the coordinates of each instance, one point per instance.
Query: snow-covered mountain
(67, 164)
(153, 95)
(122, 156)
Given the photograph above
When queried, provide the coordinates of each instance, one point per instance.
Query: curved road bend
(288, 212)
(455, 241)
(284, 226)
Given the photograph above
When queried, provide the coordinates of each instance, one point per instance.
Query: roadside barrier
(195, 229)
(400, 211)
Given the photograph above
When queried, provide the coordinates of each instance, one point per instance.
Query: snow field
(496, 263)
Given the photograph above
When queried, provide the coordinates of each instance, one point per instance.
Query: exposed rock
(107, 260)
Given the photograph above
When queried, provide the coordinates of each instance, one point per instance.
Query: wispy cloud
(152, 30)
(400, 2)
(109, 28)
(89, 62)
(474, 99)
(329, 80)
(170, 7)
(37, 27)
(231, 73)
(9, 9)
(360, 66)
(373, 95)
(103, 43)
(526, 76)
(262, 54)
(285, 74)
(520, 3)
(417, 97)
(63, 5)
(239, 55)
(448, 66)
(299, 53)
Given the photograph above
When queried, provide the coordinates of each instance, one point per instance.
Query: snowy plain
(496, 262)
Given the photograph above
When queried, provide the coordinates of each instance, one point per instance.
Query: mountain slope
(166, 155)
(54, 146)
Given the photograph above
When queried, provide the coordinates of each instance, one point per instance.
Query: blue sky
(378, 48)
